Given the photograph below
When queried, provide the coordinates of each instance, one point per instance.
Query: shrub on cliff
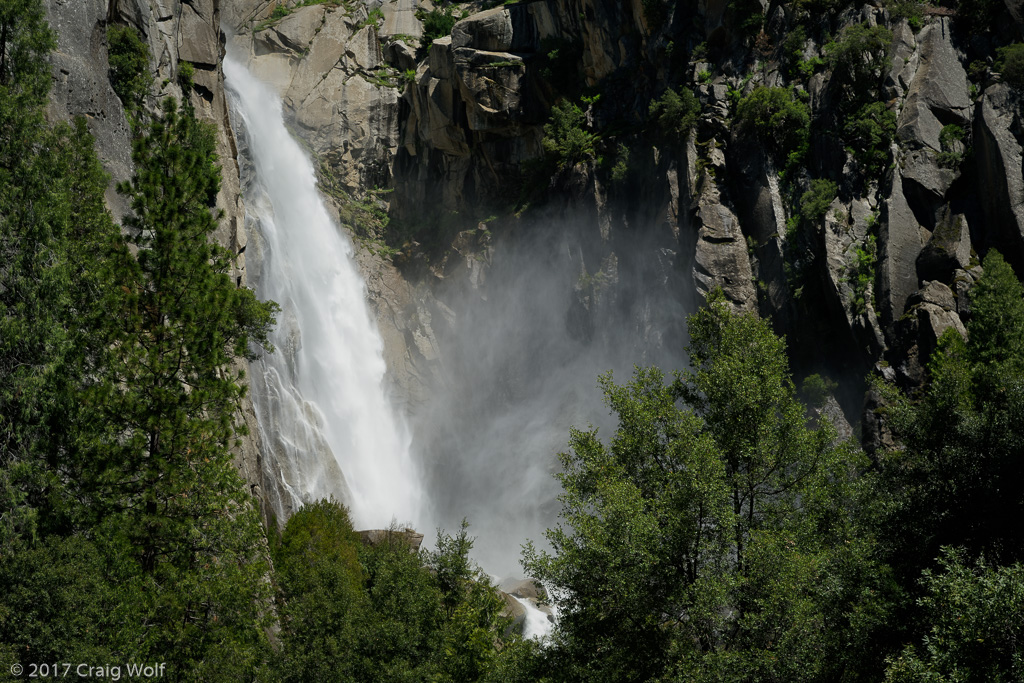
(779, 117)
(869, 133)
(860, 57)
(674, 114)
(129, 69)
(437, 23)
(1011, 64)
(566, 138)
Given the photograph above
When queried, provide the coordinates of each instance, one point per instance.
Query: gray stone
(999, 166)
(935, 294)
(364, 49)
(905, 60)
(400, 19)
(490, 30)
(937, 94)
(721, 258)
(490, 84)
(948, 250)
(81, 87)
(900, 241)
(400, 55)
(933, 321)
(296, 31)
(197, 39)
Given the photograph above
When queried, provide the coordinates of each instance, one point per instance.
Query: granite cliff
(441, 156)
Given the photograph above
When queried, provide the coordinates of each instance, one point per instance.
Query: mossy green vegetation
(1011, 64)
(567, 140)
(674, 114)
(780, 118)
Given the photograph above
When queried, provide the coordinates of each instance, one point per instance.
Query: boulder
(374, 537)
(936, 313)
(524, 588)
(948, 250)
(400, 55)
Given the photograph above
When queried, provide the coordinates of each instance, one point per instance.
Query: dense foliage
(381, 612)
(567, 140)
(117, 401)
(709, 539)
(725, 533)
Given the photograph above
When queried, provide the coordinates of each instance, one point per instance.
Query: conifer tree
(163, 493)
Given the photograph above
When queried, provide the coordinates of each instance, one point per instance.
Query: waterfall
(536, 625)
(327, 425)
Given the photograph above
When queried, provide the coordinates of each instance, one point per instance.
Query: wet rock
(524, 588)
(514, 610)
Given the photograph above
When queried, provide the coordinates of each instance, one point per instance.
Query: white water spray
(326, 422)
(537, 624)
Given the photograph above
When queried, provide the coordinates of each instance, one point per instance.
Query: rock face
(997, 138)
(456, 133)
(328, 65)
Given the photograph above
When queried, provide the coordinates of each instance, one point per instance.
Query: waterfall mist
(521, 365)
(328, 428)
(520, 358)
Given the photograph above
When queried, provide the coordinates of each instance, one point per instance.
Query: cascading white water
(537, 624)
(320, 397)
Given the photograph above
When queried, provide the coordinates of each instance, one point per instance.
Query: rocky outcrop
(997, 139)
(328, 65)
